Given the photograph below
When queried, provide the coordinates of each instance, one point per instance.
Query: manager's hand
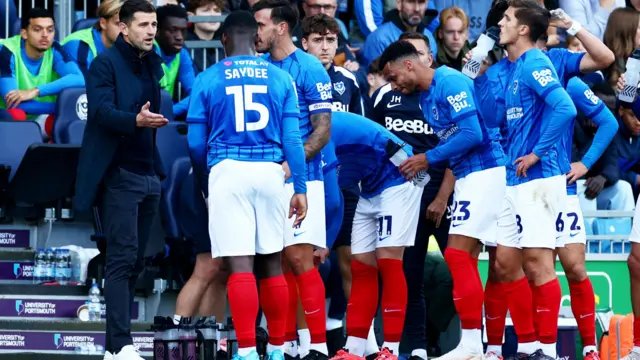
(148, 119)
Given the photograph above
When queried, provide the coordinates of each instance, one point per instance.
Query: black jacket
(113, 94)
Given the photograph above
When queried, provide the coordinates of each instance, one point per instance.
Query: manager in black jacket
(119, 165)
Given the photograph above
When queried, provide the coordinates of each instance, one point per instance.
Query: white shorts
(635, 230)
(507, 233)
(536, 205)
(246, 208)
(477, 203)
(570, 224)
(387, 220)
(313, 229)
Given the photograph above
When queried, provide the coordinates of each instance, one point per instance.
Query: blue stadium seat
(593, 246)
(166, 105)
(83, 24)
(13, 15)
(170, 201)
(172, 143)
(74, 133)
(16, 137)
(71, 106)
(588, 227)
(612, 226)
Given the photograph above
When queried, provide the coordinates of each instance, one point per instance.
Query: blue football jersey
(490, 91)
(533, 79)
(346, 92)
(449, 100)
(590, 105)
(360, 146)
(313, 86)
(566, 63)
(243, 101)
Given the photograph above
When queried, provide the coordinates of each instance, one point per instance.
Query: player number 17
(243, 101)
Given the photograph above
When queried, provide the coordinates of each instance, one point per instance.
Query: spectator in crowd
(602, 188)
(370, 14)
(629, 150)
(205, 57)
(409, 16)
(84, 45)
(475, 10)
(176, 61)
(375, 80)
(593, 14)
(452, 37)
(621, 37)
(119, 162)
(34, 67)
(320, 39)
(633, 4)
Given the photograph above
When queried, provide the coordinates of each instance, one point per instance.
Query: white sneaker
(462, 353)
(107, 356)
(492, 356)
(632, 356)
(127, 353)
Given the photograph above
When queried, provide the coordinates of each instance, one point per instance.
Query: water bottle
(159, 346)
(49, 265)
(208, 337)
(172, 339)
(187, 336)
(631, 76)
(66, 257)
(95, 307)
(59, 268)
(39, 263)
(397, 156)
(485, 44)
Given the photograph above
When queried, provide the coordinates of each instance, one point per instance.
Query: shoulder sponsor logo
(339, 87)
(459, 101)
(324, 90)
(544, 77)
(82, 107)
(591, 96)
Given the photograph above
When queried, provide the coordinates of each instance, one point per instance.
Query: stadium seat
(170, 201)
(13, 15)
(612, 226)
(83, 24)
(74, 133)
(71, 106)
(166, 105)
(172, 144)
(593, 246)
(16, 137)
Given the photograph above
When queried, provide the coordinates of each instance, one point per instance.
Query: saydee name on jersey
(444, 134)
(514, 113)
(459, 101)
(415, 126)
(258, 73)
(324, 90)
(544, 77)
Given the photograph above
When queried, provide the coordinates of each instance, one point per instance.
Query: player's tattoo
(321, 124)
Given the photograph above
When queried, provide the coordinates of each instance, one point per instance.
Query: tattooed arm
(321, 124)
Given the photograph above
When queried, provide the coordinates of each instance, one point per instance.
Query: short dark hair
(281, 11)
(496, 13)
(397, 50)
(35, 13)
(130, 7)
(374, 67)
(414, 35)
(166, 11)
(531, 14)
(544, 37)
(319, 24)
(240, 22)
(193, 5)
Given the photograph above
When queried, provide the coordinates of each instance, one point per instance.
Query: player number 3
(243, 101)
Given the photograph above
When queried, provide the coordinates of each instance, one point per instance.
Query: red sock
(468, 294)
(518, 294)
(534, 305)
(274, 298)
(313, 302)
(495, 312)
(636, 332)
(363, 302)
(243, 301)
(394, 298)
(548, 297)
(291, 329)
(583, 305)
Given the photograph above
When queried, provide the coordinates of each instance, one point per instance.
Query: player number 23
(243, 101)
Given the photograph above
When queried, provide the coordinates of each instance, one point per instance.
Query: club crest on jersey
(434, 110)
(515, 87)
(339, 87)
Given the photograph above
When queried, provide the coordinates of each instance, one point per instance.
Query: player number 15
(243, 101)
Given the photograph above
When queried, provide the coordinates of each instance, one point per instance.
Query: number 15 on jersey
(243, 100)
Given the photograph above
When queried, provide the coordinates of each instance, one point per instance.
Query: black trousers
(129, 205)
(415, 331)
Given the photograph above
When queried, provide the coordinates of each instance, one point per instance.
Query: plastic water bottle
(631, 76)
(66, 261)
(60, 267)
(39, 263)
(95, 307)
(188, 338)
(49, 265)
(485, 44)
(397, 156)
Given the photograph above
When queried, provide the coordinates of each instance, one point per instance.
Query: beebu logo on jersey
(415, 126)
(591, 96)
(35, 308)
(544, 77)
(338, 106)
(459, 101)
(324, 90)
(72, 342)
